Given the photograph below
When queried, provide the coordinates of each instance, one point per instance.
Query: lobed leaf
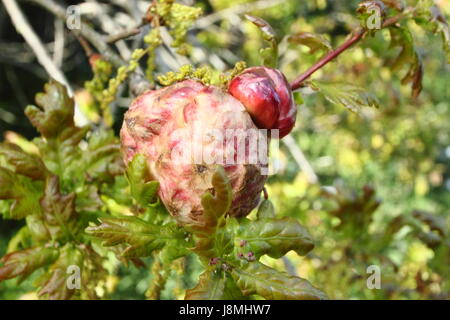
(265, 210)
(55, 111)
(269, 55)
(142, 188)
(215, 285)
(408, 56)
(102, 159)
(216, 206)
(370, 9)
(313, 41)
(274, 237)
(141, 238)
(22, 191)
(345, 95)
(23, 163)
(56, 286)
(210, 286)
(431, 18)
(58, 210)
(256, 278)
(25, 262)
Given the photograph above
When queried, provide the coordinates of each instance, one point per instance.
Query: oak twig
(354, 37)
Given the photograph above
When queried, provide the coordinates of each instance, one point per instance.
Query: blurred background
(372, 187)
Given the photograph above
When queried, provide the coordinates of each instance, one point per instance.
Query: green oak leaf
(143, 189)
(256, 278)
(24, 193)
(370, 9)
(215, 285)
(265, 210)
(211, 286)
(430, 17)
(269, 55)
(313, 41)
(102, 159)
(25, 262)
(58, 210)
(22, 162)
(215, 207)
(141, 238)
(61, 153)
(345, 95)
(274, 237)
(409, 57)
(55, 282)
(55, 111)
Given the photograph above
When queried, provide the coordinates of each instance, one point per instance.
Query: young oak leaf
(143, 188)
(25, 262)
(345, 95)
(58, 210)
(269, 55)
(431, 18)
(265, 210)
(313, 41)
(274, 237)
(408, 56)
(215, 207)
(256, 278)
(24, 193)
(371, 12)
(23, 163)
(55, 111)
(141, 238)
(210, 286)
(102, 159)
(56, 283)
(215, 285)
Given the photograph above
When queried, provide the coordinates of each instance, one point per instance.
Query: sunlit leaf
(143, 188)
(274, 237)
(269, 55)
(370, 10)
(102, 159)
(58, 209)
(313, 41)
(345, 95)
(265, 210)
(408, 57)
(211, 286)
(256, 278)
(23, 163)
(431, 18)
(55, 111)
(141, 238)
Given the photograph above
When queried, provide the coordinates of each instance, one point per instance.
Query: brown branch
(137, 82)
(354, 37)
(24, 28)
(126, 33)
(85, 31)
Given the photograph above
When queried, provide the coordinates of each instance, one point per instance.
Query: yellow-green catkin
(204, 74)
(153, 41)
(102, 70)
(158, 282)
(109, 94)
